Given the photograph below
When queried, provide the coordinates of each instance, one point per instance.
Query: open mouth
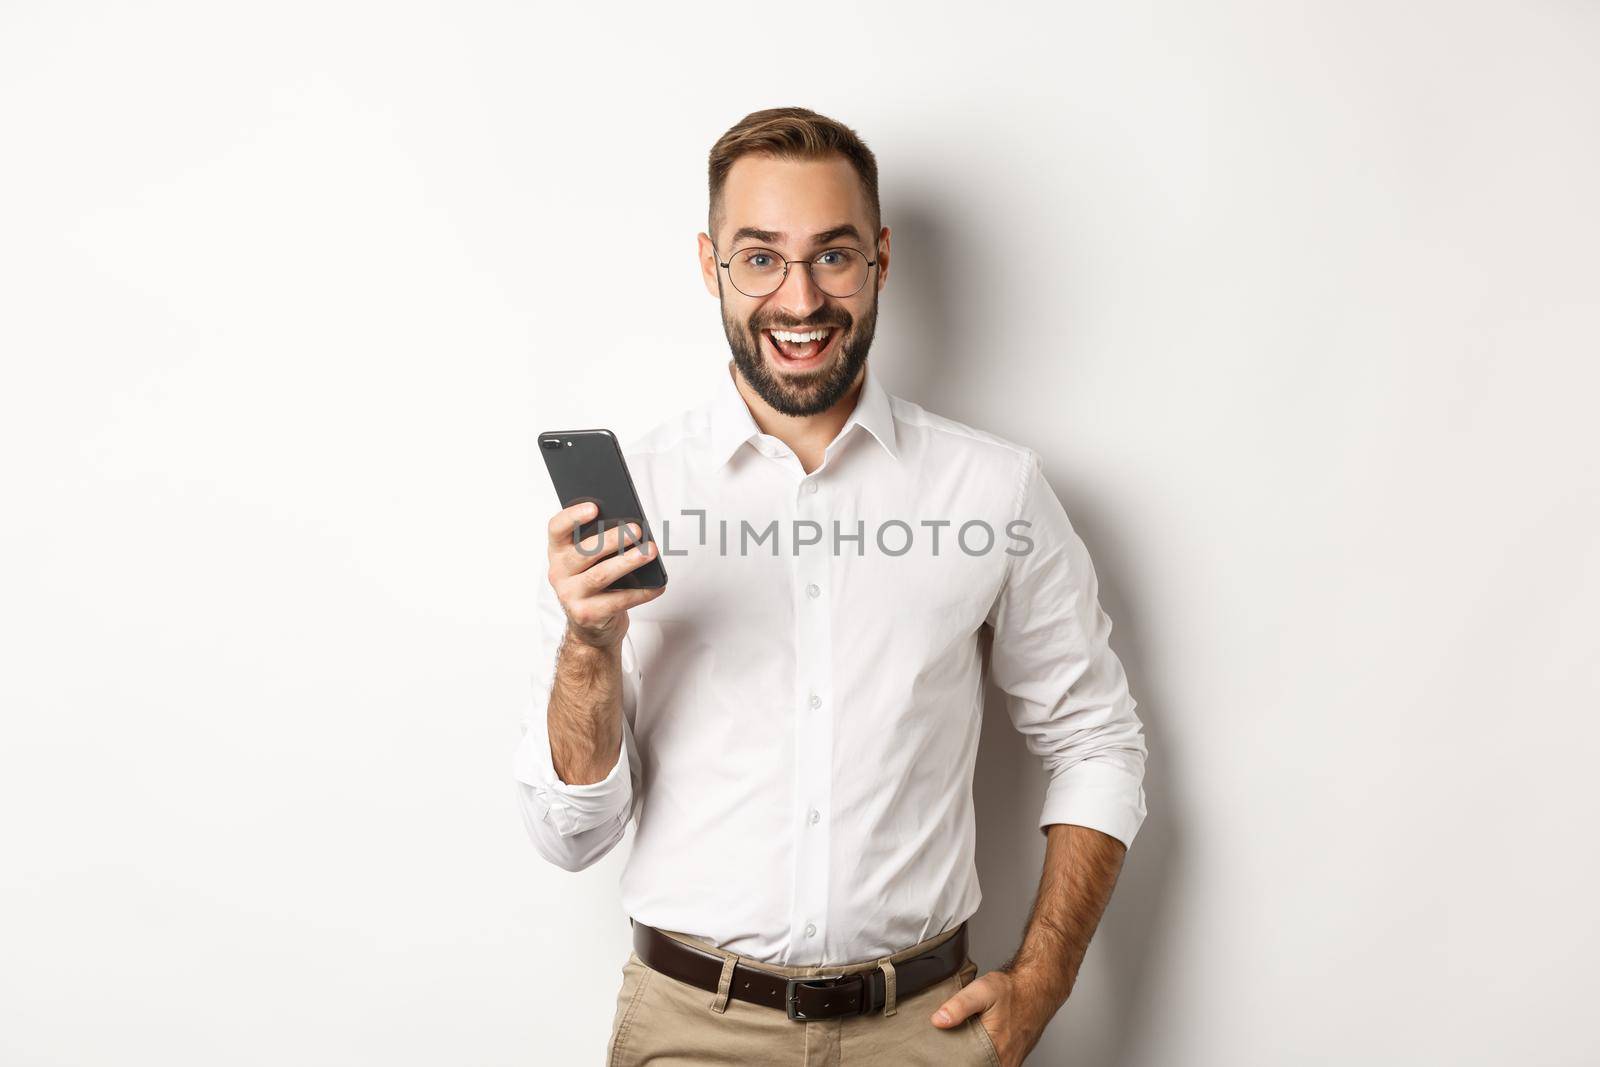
(802, 349)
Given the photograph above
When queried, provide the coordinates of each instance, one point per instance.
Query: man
(792, 722)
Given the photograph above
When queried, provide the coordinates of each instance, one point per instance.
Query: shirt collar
(732, 424)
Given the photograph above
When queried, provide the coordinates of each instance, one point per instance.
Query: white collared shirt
(800, 728)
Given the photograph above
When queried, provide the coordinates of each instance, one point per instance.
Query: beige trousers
(662, 1022)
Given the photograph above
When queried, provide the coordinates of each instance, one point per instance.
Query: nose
(798, 296)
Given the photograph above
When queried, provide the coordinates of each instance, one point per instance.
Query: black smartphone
(588, 465)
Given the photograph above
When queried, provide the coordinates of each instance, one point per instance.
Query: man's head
(798, 184)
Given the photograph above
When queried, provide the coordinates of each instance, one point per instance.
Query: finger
(594, 610)
(575, 558)
(972, 999)
(608, 570)
(625, 535)
(620, 600)
(585, 576)
(562, 522)
(612, 539)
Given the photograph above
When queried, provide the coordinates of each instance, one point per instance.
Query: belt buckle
(791, 992)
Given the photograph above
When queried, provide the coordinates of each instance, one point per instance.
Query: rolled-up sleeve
(1066, 691)
(572, 826)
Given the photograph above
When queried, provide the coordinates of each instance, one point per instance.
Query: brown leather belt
(824, 996)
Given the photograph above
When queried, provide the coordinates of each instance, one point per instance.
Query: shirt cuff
(572, 809)
(1097, 795)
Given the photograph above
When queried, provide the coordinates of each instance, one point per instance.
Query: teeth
(799, 338)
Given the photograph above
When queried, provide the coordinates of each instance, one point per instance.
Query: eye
(834, 262)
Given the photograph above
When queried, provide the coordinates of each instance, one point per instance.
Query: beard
(813, 392)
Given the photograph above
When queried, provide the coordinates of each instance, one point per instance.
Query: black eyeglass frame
(872, 262)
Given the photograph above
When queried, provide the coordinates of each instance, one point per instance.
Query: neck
(806, 435)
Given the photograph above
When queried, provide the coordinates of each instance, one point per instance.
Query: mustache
(799, 326)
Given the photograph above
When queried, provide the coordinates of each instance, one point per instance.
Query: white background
(1298, 301)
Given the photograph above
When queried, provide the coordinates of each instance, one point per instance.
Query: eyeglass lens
(839, 272)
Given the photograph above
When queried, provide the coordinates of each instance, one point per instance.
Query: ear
(883, 257)
(708, 264)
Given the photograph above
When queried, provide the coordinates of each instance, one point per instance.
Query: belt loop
(887, 967)
(719, 1003)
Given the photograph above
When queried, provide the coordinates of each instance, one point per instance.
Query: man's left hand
(1012, 1009)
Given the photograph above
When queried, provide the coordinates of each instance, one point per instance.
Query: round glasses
(839, 272)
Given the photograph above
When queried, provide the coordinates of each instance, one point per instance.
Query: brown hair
(792, 133)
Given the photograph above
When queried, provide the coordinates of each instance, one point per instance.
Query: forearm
(1080, 870)
(585, 712)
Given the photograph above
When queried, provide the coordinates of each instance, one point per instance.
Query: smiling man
(791, 725)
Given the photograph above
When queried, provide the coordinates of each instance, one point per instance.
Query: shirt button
(812, 591)
(816, 701)
(811, 929)
(815, 815)
(811, 487)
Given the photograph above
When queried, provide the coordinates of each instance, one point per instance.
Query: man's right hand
(595, 616)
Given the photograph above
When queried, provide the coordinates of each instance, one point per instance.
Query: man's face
(795, 203)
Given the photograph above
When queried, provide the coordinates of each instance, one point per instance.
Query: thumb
(973, 999)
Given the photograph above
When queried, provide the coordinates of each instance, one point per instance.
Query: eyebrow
(775, 237)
